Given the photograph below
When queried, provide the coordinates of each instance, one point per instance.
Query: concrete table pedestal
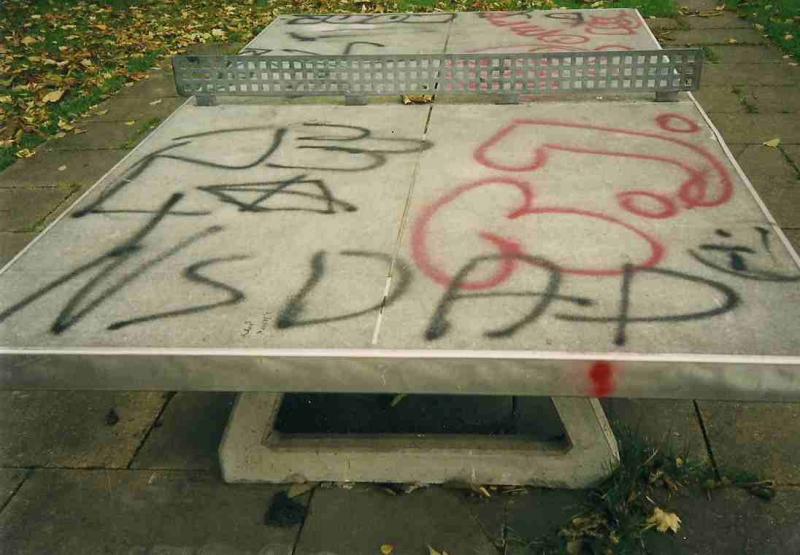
(253, 451)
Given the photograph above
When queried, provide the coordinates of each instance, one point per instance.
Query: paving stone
(537, 516)
(793, 152)
(42, 170)
(363, 518)
(719, 99)
(715, 36)
(701, 5)
(667, 424)
(10, 479)
(794, 237)
(127, 108)
(662, 24)
(27, 209)
(187, 434)
(159, 84)
(724, 20)
(750, 74)
(72, 428)
(732, 521)
(782, 202)
(767, 165)
(780, 99)
(99, 135)
(12, 243)
(757, 128)
(744, 54)
(762, 438)
(140, 512)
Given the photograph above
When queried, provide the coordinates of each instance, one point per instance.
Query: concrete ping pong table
(566, 245)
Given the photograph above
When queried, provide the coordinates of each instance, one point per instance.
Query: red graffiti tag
(434, 269)
(601, 375)
(707, 183)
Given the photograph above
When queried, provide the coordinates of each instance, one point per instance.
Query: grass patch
(616, 517)
(778, 19)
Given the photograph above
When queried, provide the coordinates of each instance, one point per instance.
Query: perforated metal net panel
(501, 74)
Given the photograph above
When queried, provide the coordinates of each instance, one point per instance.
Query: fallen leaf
(62, 168)
(101, 112)
(27, 41)
(417, 99)
(53, 96)
(296, 490)
(788, 36)
(24, 153)
(153, 103)
(6, 99)
(396, 399)
(663, 521)
(387, 549)
(758, 27)
(218, 32)
(131, 122)
(86, 62)
(79, 131)
(772, 142)
(432, 551)
(732, 41)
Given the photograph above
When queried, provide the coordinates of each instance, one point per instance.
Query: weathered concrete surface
(10, 480)
(756, 437)
(75, 429)
(354, 34)
(27, 209)
(488, 173)
(537, 516)
(671, 425)
(83, 168)
(362, 519)
(138, 512)
(553, 31)
(186, 436)
(352, 170)
(733, 521)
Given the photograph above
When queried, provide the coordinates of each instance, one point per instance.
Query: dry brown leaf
(24, 153)
(53, 96)
(6, 99)
(772, 142)
(296, 490)
(417, 99)
(27, 41)
(663, 521)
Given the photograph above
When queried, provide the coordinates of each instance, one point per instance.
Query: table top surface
(552, 229)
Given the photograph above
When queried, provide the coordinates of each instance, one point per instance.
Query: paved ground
(95, 472)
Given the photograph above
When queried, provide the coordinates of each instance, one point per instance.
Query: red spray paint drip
(602, 376)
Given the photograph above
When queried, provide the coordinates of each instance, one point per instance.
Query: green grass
(780, 20)
(614, 517)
